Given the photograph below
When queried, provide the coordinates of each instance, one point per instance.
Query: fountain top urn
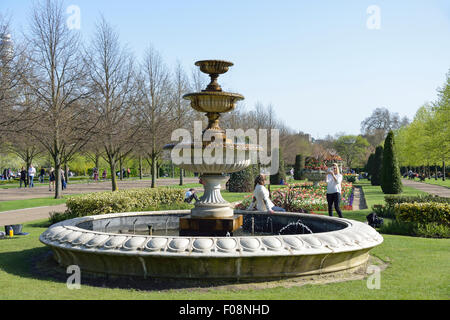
(213, 68)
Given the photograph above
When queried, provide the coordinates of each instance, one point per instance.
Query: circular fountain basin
(107, 244)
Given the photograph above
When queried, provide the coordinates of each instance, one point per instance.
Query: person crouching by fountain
(190, 195)
(261, 197)
(334, 179)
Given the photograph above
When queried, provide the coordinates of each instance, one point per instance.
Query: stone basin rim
(359, 237)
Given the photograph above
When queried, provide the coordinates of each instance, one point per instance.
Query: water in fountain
(293, 228)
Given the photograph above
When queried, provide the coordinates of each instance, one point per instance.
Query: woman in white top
(334, 179)
(261, 197)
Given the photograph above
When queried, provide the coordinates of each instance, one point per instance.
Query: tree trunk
(66, 172)
(443, 170)
(58, 184)
(435, 172)
(140, 167)
(154, 169)
(181, 176)
(120, 167)
(112, 166)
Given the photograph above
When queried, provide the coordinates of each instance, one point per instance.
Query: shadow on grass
(39, 264)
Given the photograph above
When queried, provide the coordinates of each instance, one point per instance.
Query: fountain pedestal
(210, 226)
(212, 215)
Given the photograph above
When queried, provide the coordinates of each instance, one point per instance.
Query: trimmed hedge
(427, 212)
(122, 200)
(392, 200)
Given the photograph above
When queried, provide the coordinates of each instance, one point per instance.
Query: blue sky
(317, 62)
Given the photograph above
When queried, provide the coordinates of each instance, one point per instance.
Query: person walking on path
(23, 177)
(334, 180)
(63, 179)
(42, 175)
(104, 174)
(51, 179)
(95, 171)
(31, 174)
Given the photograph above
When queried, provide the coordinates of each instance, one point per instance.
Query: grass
(30, 203)
(408, 257)
(418, 269)
(374, 194)
(437, 182)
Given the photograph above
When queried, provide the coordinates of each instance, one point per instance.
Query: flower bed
(305, 197)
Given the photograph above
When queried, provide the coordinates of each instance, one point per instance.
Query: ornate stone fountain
(213, 215)
(191, 244)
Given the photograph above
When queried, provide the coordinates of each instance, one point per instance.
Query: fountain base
(204, 226)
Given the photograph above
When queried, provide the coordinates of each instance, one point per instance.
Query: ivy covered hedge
(121, 201)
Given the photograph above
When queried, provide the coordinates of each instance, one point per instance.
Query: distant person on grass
(334, 180)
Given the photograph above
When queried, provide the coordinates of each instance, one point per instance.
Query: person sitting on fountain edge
(261, 197)
(190, 195)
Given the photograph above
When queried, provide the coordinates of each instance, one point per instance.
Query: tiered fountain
(213, 215)
(212, 241)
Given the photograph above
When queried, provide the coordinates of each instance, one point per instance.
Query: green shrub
(377, 162)
(243, 181)
(281, 174)
(391, 182)
(122, 201)
(392, 200)
(427, 212)
(299, 166)
(384, 211)
(427, 230)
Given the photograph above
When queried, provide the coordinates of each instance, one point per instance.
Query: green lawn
(418, 269)
(374, 195)
(29, 203)
(437, 182)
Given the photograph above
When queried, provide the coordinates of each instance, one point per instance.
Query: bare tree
(182, 113)
(63, 123)
(112, 80)
(13, 68)
(156, 106)
(379, 123)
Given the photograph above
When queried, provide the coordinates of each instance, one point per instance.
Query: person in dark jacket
(23, 177)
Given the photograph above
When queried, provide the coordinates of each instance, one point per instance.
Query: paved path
(42, 192)
(30, 214)
(359, 202)
(429, 188)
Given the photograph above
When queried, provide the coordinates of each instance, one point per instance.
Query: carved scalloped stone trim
(66, 235)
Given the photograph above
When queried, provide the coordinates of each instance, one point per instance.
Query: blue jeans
(31, 182)
(275, 208)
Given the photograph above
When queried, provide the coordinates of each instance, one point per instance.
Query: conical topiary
(281, 174)
(243, 181)
(369, 165)
(299, 166)
(375, 179)
(391, 182)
